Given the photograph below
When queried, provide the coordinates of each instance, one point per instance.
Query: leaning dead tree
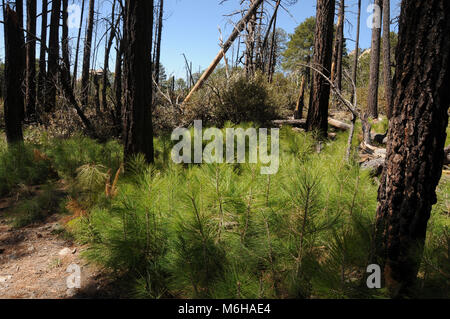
(236, 31)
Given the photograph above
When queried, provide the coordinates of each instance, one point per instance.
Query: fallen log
(375, 165)
(302, 123)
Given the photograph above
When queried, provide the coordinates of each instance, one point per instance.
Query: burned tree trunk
(416, 137)
(107, 52)
(236, 31)
(320, 88)
(77, 50)
(53, 56)
(30, 95)
(250, 43)
(138, 130)
(372, 101)
(356, 57)
(336, 72)
(118, 85)
(87, 56)
(65, 41)
(298, 113)
(387, 56)
(158, 41)
(14, 69)
(42, 75)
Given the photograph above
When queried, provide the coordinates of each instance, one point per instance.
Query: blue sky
(191, 27)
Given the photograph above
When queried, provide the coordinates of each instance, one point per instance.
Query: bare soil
(34, 261)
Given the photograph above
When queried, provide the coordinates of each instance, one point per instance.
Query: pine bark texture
(138, 130)
(323, 48)
(415, 151)
(14, 70)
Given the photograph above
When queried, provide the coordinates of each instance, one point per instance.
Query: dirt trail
(34, 262)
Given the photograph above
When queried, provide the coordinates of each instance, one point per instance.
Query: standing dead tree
(320, 89)
(372, 101)
(87, 55)
(42, 75)
(30, 95)
(387, 56)
(14, 70)
(236, 31)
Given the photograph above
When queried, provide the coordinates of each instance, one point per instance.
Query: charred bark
(14, 69)
(30, 95)
(65, 41)
(87, 55)
(387, 56)
(320, 88)
(416, 137)
(372, 100)
(77, 51)
(42, 75)
(53, 56)
(138, 129)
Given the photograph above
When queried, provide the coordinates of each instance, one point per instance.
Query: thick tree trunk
(87, 55)
(356, 57)
(65, 41)
(77, 51)
(138, 130)
(372, 100)
(416, 137)
(42, 75)
(53, 56)
(14, 69)
(30, 97)
(19, 12)
(320, 88)
(387, 56)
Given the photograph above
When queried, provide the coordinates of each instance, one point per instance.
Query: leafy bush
(239, 99)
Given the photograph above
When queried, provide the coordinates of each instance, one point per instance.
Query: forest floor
(34, 262)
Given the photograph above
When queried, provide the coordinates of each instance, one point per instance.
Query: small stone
(71, 292)
(4, 279)
(31, 248)
(65, 251)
